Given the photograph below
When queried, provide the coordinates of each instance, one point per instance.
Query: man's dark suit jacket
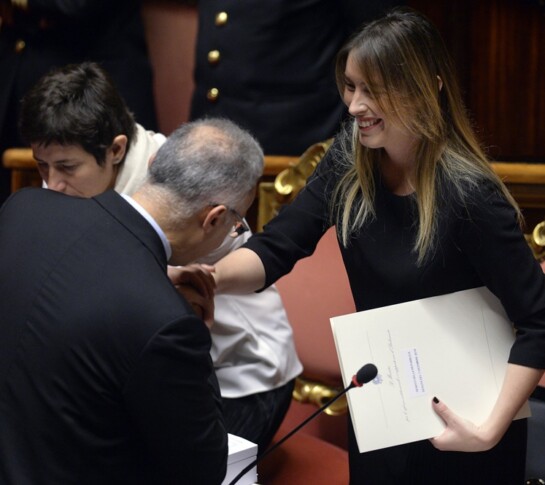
(105, 374)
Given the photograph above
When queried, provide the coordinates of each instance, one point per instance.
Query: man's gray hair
(205, 162)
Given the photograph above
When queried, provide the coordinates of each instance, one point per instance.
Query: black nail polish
(435, 400)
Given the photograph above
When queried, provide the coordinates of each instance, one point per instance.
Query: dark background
(498, 47)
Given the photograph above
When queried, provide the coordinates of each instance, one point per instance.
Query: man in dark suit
(105, 373)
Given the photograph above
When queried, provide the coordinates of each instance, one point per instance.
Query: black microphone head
(367, 373)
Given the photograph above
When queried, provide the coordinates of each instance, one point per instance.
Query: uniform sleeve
(294, 233)
(492, 240)
(174, 400)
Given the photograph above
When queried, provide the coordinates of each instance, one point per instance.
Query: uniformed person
(268, 65)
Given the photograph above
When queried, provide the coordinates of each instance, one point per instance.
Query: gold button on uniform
(212, 94)
(221, 18)
(19, 46)
(214, 57)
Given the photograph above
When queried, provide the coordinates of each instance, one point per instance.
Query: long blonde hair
(410, 75)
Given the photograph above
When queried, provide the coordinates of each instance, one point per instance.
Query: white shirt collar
(145, 214)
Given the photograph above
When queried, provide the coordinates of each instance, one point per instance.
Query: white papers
(241, 453)
(452, 346)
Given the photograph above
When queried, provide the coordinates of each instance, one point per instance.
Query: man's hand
(202, 306)
(196, 284)
(460, 434)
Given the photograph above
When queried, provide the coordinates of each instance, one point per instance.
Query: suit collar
(133, 221)
(146, 215)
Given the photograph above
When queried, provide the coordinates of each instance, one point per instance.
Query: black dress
(479, 243)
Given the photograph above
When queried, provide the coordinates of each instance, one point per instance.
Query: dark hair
(77, 104)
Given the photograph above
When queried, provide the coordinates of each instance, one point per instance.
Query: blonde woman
(419, 213)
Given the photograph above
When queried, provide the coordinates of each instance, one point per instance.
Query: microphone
(367, 373)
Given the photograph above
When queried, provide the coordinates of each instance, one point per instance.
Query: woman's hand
(460, 434)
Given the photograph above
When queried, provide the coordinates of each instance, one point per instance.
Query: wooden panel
(23, 168)
(171, 29)
(497, 46)
(526, 181)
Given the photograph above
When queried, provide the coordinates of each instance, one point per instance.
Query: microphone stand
(245, 470)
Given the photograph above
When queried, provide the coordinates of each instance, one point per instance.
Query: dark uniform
(52, 33)
(269, 66)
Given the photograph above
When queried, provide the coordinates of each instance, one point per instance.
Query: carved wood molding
(526, 181)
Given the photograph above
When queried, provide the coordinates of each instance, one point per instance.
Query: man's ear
(151, 159)
(440, 82)
(118, 148)
(213, 217)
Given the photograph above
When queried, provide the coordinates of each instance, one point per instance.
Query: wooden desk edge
(19, 159)
(509, 172)
(520, 173)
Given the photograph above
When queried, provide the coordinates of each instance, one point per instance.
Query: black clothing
(54, 33)
(105, 371)
(275, 66)
(478, 243)
(257, 417)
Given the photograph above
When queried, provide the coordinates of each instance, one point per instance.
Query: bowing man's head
(200, 185)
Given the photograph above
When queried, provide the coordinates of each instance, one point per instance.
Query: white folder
(454, 347)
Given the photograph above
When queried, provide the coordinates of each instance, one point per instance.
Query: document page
(452, 346)
(241, 453)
